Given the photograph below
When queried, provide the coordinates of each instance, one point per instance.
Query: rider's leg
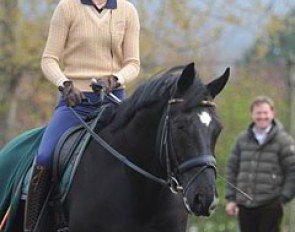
(61, 121)
(40, 183)
(41, 177)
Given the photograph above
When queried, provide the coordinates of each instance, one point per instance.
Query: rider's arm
(58, 32)
(131, 62)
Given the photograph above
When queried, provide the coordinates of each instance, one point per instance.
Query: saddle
(67, 156)
(69, 151)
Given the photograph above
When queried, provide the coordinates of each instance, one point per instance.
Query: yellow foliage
(275, 25)
(261, 51)
(232, 19)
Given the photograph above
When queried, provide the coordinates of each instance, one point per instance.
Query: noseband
(167, 151)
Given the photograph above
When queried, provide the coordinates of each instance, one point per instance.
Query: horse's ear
(218, 84)
(187, 78)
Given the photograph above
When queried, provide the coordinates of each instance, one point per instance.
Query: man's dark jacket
(266, 172)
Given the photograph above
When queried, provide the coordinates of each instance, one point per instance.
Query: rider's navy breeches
(63, 119)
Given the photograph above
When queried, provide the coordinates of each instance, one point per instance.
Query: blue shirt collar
(111, 4)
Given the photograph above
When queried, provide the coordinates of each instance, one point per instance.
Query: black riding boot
(38, 190)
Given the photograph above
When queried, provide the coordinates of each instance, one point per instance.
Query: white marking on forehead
(205, 118)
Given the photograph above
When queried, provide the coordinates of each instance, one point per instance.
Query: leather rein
(166, 148)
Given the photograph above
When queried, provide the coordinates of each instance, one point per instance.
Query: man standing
(262, 164)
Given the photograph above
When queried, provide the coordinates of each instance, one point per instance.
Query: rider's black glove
(108, 84)
(71, 95)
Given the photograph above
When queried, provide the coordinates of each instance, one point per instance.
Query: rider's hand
(232, 209)
(72, 95)
(108, 83)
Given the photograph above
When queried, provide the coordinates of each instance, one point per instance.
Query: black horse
(168, 128)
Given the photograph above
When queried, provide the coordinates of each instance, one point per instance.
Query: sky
(237, 39)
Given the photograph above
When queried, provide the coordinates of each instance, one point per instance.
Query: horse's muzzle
(200, 198)
(203, 205)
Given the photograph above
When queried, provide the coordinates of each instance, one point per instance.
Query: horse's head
(179, 108)
(189, 131)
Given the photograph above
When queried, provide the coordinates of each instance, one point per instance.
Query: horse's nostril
(198, 204)
(204, 205)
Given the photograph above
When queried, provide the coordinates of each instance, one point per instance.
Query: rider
(93, 38)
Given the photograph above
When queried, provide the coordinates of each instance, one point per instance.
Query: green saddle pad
(15, 160)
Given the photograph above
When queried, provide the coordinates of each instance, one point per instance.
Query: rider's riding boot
(60, 221)
(38, 190)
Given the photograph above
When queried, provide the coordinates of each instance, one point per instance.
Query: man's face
(262, 115)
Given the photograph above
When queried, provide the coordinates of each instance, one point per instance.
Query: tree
(8, 72)
(172, 32)
(276, 41)
(23, 36)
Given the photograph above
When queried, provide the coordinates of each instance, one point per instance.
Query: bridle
(167, 152)
(204, 161)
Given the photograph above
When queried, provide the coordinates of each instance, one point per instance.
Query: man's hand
(232, 209)
(108, 83)
(72, 95)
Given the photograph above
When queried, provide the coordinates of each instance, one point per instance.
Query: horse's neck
(140, 135)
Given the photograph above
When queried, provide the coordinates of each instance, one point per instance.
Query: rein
(204, 161)
(116, 154)
(171, 181)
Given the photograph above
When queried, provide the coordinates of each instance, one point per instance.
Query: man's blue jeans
(63, 119)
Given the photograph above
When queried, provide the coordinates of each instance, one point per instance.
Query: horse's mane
(160, 87)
